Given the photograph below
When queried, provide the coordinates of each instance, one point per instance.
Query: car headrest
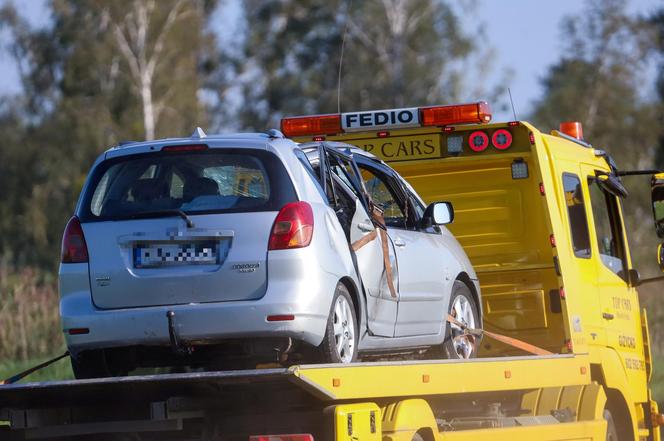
(147, 189)
(199, 187)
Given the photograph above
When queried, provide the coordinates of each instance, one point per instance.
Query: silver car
(227, 251)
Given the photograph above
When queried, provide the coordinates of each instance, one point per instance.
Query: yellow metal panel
(571, 398)
(529, 402)
(368, 380)
(549, 400)
(586, 431)
(361, 421)
(592, 403)
(408, 416)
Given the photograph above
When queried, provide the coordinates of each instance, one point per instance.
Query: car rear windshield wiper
(162, 213)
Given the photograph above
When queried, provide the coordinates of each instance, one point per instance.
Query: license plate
(150, 255)
(406, 148)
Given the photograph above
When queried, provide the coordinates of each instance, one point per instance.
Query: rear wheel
(611, 431)
(341, 335)
(459, 344)
(94, 364)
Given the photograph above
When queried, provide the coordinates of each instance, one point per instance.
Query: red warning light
(478, 141)
(501, 139)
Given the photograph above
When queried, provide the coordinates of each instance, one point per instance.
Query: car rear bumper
(307, 300)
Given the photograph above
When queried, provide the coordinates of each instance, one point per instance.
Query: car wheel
(341, 335)
(611, 431)
(457, 343)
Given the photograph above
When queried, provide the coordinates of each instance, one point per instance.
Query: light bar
(311, 125)
(474, 113)
(332, 124)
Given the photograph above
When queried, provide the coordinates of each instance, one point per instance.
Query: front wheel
(459, 344)
(341, 335)
(611, 431)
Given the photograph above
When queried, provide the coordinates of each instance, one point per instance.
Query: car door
(424, 278)
(339, 172)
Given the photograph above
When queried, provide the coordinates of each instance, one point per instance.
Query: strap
(516, 343)
(363, 241)
(386, 263)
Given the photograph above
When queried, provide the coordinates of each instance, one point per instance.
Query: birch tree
(141, 38)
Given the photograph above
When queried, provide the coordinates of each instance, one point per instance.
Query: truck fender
(402, 419)
(614, 379)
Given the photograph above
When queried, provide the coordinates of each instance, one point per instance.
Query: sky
(524, 34)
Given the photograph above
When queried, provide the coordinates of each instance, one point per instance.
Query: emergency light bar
(336, 123)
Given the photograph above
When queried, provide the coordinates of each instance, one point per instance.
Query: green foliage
(396, 53)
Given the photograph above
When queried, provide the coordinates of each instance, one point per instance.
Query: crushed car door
(365, 238)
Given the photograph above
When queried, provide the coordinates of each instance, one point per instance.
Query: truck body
(540, 217)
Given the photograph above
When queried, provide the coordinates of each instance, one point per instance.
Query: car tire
(342, 331)
(611, 431)
(463, 307)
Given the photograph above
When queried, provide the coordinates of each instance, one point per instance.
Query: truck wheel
(611, 431)
(341, 335)
(457, 344)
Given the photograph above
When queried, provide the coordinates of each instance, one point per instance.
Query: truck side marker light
(336, 382)
(383, 134)
(508, 374)
(478, 141)
(552, 240)
(425, 378)
(657, 419)
(519, 169)
(531, 138)
(569, 345)
(448, 129)
(562, 293)
(501, 139)
(318, 138)
(541, 189)
(584, 370)
(514, 123)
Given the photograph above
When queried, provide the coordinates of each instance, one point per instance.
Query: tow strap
(515, 343)
(25, 373)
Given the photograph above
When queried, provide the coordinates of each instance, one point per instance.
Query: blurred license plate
(150, 255)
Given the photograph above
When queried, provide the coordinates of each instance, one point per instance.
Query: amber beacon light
(573, 129)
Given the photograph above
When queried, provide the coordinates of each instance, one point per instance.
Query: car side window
(607, 228)
(576, 210)
(383, 196)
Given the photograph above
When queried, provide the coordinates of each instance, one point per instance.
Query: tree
(84, 82)
(396, 53)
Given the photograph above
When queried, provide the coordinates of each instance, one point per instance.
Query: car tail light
(293, 227)
(311, 125)
(74, 248)
(289, 437)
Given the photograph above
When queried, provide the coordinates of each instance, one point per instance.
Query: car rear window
(196, 182)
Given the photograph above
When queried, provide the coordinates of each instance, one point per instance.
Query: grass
(60, 370)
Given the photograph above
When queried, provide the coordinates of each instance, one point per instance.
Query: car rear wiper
(162, 213)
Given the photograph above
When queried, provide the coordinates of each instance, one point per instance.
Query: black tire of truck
(460, 292)
(338, 327)
(611, 431)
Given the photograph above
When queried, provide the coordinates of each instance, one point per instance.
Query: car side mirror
(634, 278)
(438, 213)
(657, 195)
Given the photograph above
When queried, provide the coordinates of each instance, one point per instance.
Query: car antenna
(512, 102)
(341, 55)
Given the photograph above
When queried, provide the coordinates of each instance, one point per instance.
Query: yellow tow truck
(540, 217)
